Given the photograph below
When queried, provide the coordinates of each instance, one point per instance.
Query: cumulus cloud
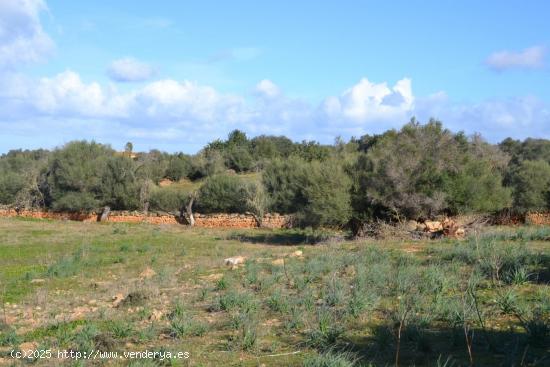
(130, 70)
(185, 115)
(266, 88)
(529, 58)
(368, 104)
(22, 38)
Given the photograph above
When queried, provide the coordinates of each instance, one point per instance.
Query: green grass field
(135, 287)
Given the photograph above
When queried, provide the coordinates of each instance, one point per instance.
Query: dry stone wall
(221, 220)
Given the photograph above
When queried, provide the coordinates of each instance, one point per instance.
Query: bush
(530, 181)
(168, 199)
(75, 175)
(222, 193)
(424, 170)
(318, 193)
(179, 166)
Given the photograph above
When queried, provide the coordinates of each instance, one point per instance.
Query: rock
(411, 225)
(213, 277)
(297, 253)
(421, 227)
(38, 281)
(433, 226)
(278, 262)
(156, 315)
(234, 261)
(80, 313)
(28, 346)
(119, 297)
(147, 273)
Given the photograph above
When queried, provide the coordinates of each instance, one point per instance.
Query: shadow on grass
(542, 275)
(447, 347)
(284, 238)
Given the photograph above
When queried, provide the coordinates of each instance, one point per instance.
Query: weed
(331, 359)
(507, 301)
(124, 247)
(334, 292)
(278, 302)
(181, 327)
(85, 338)
(121, 329)
(8, 337)
(326, 332)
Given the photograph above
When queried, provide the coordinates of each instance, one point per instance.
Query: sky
(174, 75)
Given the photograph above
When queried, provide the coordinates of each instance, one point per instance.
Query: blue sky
(176, 74)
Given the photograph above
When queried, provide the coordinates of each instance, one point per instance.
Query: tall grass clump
(331, 359)
(498, 261)
(67, 266)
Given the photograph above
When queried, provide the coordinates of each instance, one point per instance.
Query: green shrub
(222, 193)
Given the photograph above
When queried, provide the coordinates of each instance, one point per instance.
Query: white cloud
(266, 88)
(495, 119)
(170, 114)
(529, 58)
(22, 38)
(371, 102)
(130, 70)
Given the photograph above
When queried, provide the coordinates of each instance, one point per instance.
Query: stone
(147, 273)
(433, 226)
(411, 225)
(156, 315)
(213, 277)
(28, 346)
(119, 297)
(278, 262)
(234, 261)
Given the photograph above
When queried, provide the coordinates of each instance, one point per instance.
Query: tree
(75, 175)
(256, 200)
(318, 193)
(327, 192)
(478, 185)
(128, 148)
(207, 163)
(424, 170)
(531, 185)
(222, 193)
(119, 186)
(22, 178)
(179, 166)
(239, 159)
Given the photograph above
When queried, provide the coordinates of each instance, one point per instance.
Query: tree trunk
(187, 211)
(105, 214)
(257, 218)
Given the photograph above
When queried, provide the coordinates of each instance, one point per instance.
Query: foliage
(318, 192)
(179, 166)
(530, 181)
(168, 199)
(222, 193)
(424, 170)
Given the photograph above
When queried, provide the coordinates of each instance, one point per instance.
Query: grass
(342, 304)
